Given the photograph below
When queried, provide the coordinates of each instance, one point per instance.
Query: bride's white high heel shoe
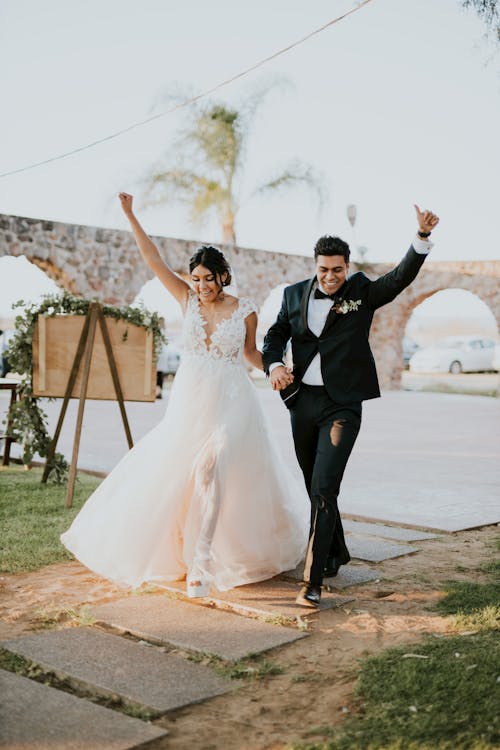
(197, 588)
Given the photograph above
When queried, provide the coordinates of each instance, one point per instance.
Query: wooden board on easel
(71, 355)
(55, 341)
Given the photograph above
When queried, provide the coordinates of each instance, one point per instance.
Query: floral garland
(28, 421)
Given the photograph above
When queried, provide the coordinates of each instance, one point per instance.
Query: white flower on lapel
(343, 306)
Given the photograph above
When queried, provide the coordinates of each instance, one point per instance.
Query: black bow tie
(318, 294)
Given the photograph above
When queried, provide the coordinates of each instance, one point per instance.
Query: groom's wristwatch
(424, 235)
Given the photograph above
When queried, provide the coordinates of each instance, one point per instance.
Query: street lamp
(361, 250)
(351, 214)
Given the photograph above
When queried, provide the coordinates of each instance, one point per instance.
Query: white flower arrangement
(344, 306)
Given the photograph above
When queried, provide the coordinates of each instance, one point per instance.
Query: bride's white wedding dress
(205, 493)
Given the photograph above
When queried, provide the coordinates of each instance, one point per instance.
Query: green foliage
(489, 12)
(29, 421)
(32, 517)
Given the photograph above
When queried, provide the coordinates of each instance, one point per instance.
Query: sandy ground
(316, 686)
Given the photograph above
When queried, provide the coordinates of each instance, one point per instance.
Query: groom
(328, 319)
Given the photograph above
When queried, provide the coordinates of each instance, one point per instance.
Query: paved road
(423, 459)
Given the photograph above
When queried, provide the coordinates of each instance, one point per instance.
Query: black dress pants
(324, 434)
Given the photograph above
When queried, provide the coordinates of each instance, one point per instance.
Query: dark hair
(328, 245)
(212, 259)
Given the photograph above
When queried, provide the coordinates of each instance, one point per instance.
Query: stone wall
(105, 263)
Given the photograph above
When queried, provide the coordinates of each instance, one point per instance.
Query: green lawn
(33, 515)
(440, 694)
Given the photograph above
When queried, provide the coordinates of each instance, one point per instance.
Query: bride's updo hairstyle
(214, 260)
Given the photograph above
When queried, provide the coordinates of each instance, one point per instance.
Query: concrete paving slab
(374, 549)
(348, 575)
(37, 717)
(387, 532)
(270, 599)
(352, 575)
(112, 665)
(160, 619)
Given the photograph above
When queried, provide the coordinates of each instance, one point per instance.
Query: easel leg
(114, 375)
(69, 390)
(9, 440)
(93, 314)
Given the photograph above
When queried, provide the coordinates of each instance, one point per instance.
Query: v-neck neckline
(204, 322)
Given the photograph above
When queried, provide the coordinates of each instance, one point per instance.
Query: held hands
(126, 201)
(427, 221)
(281, 377)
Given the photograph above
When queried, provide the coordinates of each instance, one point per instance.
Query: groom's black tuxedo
(347, 363)
(326, 418)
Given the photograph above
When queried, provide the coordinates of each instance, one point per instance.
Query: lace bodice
(228, 338)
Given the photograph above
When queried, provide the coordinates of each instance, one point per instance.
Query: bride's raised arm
(175, 285)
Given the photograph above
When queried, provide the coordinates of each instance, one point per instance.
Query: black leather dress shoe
(309, 596)
(333, 565)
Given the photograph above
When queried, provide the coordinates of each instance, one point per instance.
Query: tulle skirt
(204, 494)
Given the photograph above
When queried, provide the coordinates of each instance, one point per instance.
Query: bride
(204, 495)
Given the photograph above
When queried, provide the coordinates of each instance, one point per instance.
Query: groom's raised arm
(277, 338)
(388, 286)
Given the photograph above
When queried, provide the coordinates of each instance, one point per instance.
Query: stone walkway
(141, 653)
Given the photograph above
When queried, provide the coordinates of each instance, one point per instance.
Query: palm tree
(209, 166)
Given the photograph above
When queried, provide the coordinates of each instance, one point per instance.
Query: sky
(397, 104)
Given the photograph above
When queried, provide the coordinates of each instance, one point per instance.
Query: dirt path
(319, 672)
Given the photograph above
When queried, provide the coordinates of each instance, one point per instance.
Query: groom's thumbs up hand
(427, 221)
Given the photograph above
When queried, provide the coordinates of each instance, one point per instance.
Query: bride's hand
(126, 201)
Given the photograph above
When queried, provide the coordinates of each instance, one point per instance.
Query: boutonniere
(343, 306)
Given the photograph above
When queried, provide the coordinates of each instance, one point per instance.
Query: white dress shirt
(317, 313)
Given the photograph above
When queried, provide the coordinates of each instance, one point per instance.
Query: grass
(445, 701)
(474, 605)
(52, 615)
(33, 515)
(252, 667)
(441, 694)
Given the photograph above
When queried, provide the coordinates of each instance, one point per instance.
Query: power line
(193, 99)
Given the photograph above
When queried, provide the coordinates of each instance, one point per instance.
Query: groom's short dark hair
(328, 245)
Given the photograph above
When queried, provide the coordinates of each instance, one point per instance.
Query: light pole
(351, 215)
(362, 249)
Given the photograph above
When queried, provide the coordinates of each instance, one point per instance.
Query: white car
(169, 360)
(455, 354)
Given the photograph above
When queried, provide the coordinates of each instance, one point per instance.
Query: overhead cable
(187, 102)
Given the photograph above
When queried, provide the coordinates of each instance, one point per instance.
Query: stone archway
(105, 264)
(390, 322)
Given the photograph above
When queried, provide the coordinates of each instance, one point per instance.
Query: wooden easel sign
(91, 357)
(55, 343)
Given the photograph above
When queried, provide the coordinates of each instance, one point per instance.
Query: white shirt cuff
(422, 247)
(274, 366)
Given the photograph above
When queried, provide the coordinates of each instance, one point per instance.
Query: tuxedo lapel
(333, 316)
(331, 319)
(304, 303)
